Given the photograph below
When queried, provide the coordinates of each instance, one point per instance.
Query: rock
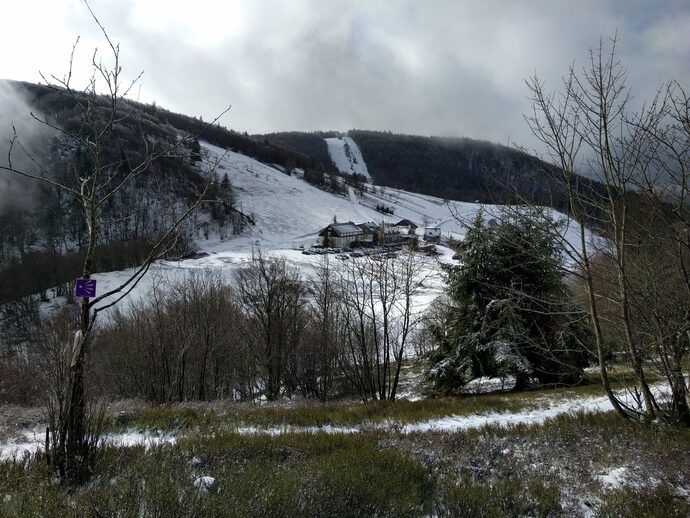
(204, 483)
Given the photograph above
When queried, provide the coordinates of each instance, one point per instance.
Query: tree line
(270, 333)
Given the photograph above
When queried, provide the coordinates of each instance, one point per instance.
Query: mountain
(276, 190)
(42, 229)
(288, 213)
(459, 169)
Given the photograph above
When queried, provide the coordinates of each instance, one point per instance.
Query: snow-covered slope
(288, 211)
(347, 157)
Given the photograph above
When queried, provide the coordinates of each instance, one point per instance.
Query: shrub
(504, 498)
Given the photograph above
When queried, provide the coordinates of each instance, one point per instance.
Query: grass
(343, 414)
(568, 455)
(526, 470)
(629, 503)
(215, 416)
(503, 498)
(548, 470)
(310, 475)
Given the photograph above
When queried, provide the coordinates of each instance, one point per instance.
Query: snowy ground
(346, 156)
(31, 440)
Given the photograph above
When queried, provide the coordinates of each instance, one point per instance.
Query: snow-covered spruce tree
(510, 311)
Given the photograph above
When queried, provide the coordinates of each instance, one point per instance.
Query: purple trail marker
(85, 288)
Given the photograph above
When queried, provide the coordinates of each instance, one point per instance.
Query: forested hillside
(461, 169)
(452, 168)
(310, 144)
(43, 231)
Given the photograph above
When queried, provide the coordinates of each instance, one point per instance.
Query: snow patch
(287, 429)
(205, 483)
(347, 157)
(32, 441)
(615, 478)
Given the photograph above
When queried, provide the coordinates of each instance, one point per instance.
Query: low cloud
(445, 67)
(31, 141)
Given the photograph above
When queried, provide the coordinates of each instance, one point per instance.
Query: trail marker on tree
(85, 288)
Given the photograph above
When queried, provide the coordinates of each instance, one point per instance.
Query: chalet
(352, 235)
(341, 235)
(405, 226)
(372, 232)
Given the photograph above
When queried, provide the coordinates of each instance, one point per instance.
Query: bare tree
(319, 352)
(377, 296)
(638, 158)
(97, 180)
(272, 297)
(184, 342)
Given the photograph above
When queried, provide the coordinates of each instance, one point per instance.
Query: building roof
(369, 226)
(342, 229)
(406, 223)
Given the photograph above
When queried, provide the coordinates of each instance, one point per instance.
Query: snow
(204, 483)
(485, 384)
(358, 206)
(550, 409)
(227, 262)
(145, 439)
(287, 210)
(347, 157)
(289, 213)
(18, 447)
(32, 441)
(614, 478)
(288, 429)
(507, 419)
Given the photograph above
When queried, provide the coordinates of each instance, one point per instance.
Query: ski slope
(289, 212)
(347, 157)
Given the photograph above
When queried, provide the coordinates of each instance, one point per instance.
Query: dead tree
(94, 186)
(590, 127)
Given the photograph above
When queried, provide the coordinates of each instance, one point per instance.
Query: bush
(504, 498)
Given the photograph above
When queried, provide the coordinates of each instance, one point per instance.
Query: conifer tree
(510, 312)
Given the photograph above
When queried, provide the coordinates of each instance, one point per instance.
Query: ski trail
(357, 205)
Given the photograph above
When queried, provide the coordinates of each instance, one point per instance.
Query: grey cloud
(438, 67)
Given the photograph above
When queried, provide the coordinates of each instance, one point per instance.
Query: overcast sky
(446, 67)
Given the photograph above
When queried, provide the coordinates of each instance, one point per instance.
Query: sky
(441, 67)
